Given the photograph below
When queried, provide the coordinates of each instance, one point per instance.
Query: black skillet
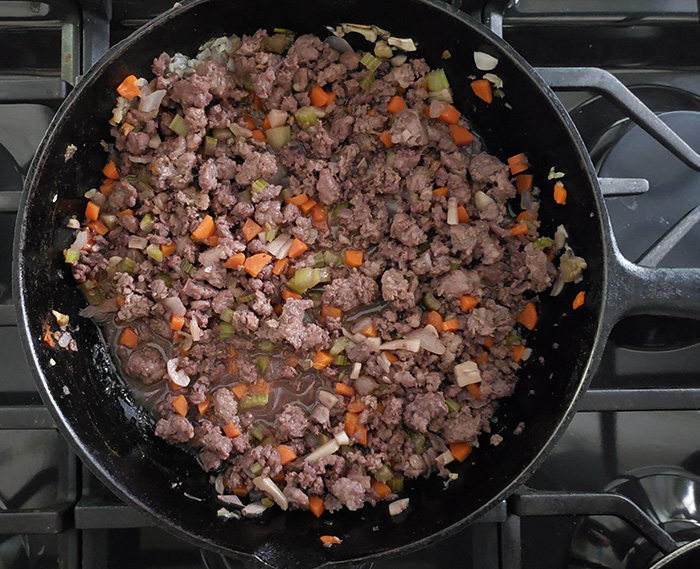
(114, 437)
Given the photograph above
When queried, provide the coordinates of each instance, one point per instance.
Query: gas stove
(621, 488)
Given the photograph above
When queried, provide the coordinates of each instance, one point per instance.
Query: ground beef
(229, 268)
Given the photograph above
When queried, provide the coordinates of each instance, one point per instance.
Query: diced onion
(527, 352)
(179, 378)
(240, 131)
(277, 118)
(384, 362)
(404, 344)
(327, 399)
(280, 246)
(338, 44)
(560, 237)
(445, 458)
(174, 304)
(452, 213)
(230, 499)
(80, 241)
(494, 79)
(271, 489)
(467, 373)
(136, 242)
(482, 201)
(152, 102)
(324, 450)
(254, 509)
(342, 438)
(398, 506)
(399, 60)
(429, 339)
(195, 330)
(61, 319)
(484, 61)
(140, 159)
(356, 369)
(364, 385)
(361, 324)
(405, 44)
(374, 343)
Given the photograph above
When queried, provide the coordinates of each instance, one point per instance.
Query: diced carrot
(233, 367)
(280, 266)
(380, 406)
(203, 407)
(488, 343)
(128, 88)
(259, 135)
(107, 187)
(279, 477)
(330, 540)
(331, 99)
(298, 248)
(316, 506)
(293, 359)
(356, 406)
(174, 387)
(520, 229)
(250, 229)
(528, 317)
(319, 213)
(177, 322)
(110, 171)
(233, 351)
(385, 137)
(240, 390)
(319, 98)
(286, 454)
(370, 331)
(474, 389)
(396, 104)
(322, 360)
(450, 115)
(92, 211)
(180, 405)
(278, 308)
(523, 182)
(361, 435)
(461, 135)
(307, 206)
(331, 312)
(129, 337)
(254, 264)
(351, 423)
(559, 193)
(47, 339)
(127, 128)
(345, 389)
(250, 123)
(98, 227)
(451, 325)
(125, 212)
(287, 294)
(579, 300)
(353, 259)
(518, 163)
(442, 191)
(482, 89)
(372, 112)
(205, 228)
(481, 357)
(257, 103)
(120, 301)
(235, 261)
(168, 249)
(391, 357)
(435, 319)
(518, 353)
(240, 491)
(426, 111)
(462, 215)
(467, 302)
(231, 430)
(522, 216)
(266, 122)
(460, 450)
(298, 200)
(260, 387)
(380, 488)
(211, 241)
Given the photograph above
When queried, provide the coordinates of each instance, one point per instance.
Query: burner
(619, 148)
(10, 181)
(668, 495)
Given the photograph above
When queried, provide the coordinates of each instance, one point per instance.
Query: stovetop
(642, 411)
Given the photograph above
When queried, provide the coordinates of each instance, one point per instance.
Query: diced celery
(384, 474)
(226, 330)
(131, 179)
(226, 315)
(146, 192)
(222, 133)
(127, 265)
(340, 360)
(396, 483)
(109, 220)
(339, 345)
(154, 252)
(246, 298)
(319, 260)
(323, 439)
(452, 405)
(256, 469)
(390, 155)
(253, 400)
(512, 338)
(418, 443)
(437, 80)
(306, 117)
(279, 136)
(332, 258)
(92, 293)
(263, 364)
(267, 502)
(71, 256)
(304, 279)
(244, 196)
(265, 346)
(431, 303)
(369, 61)
(248, 85)
(324, 275)
(337, 207)
(258, 432)
(259, 185)
(542, 243)
(209, 145)
(367, 81)
(270, 232)
(166, 278)
(178, 126)
(146, 223)
(284, 31)
(276, 43)
(186, 266)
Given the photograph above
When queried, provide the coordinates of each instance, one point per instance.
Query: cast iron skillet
(114, 437)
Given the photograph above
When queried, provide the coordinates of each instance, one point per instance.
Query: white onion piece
(230, 499)
(174, 304)
(560, 237)
(494, 79)
(327, 399)
(357, 338)
(338, 44)
(179, 378)
(136, 242)
(398, 506)
(154, 141)
(271, 489)
(437, 108)
(277, 118)
(108, 306)
(446, 457)
(73, 223)
(410, 345)
(467, 373)
(195, 330)
(342, 438)
(140, 159)
(151, 102)
(484, 61)
(452, 214)
(482, 201)
(399, 60)
(356, 369)
(279, 247)
(365, 385)
(254, 509)
(374, 343)
(429, 339)
(324, 450)
(406, 44)
(527, 352)
(240, 130)
(384, 362)
(80, 242)
(361, 324)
